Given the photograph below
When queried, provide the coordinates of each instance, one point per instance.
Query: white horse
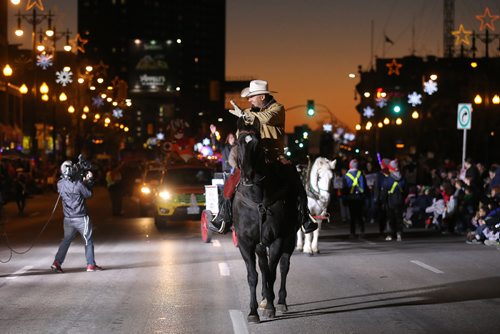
(317, 185)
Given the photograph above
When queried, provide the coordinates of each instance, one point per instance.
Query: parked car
(181, 193)
(147, 187)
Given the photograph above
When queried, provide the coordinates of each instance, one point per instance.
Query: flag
(388, 40)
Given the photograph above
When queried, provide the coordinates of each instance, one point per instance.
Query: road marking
(239, 323)
(224, 269)
(216, 243)
(19, 272)
(426, 266)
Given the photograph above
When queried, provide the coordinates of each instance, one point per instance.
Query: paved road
(168, 281)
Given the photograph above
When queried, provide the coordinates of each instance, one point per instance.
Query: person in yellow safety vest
(393, 195)
(354, 194)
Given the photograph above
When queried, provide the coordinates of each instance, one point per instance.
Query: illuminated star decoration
(36, 3)
(97, 101)
(77, 44)
(394, 67)
(64, 77)
(462, 35)
(44, 61)
(381, 102)
(101, 69)
(489, 24)
(430, 87)
(117, 113)
(414, 99)
(368, 112)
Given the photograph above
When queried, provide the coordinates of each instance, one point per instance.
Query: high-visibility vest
(394, 185)
(355, 182)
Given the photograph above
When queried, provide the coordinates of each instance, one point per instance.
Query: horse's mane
(250, 153)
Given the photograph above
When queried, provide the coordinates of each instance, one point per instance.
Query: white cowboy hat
(257, 87)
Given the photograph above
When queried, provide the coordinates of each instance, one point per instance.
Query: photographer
(74, 187)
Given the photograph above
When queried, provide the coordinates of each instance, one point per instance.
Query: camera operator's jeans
(72, 226)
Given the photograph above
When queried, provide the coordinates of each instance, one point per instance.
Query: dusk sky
(306, 49)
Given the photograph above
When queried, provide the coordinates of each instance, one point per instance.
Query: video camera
(79, 170)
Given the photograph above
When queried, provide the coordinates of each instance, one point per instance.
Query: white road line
(216, 243)
(19, 272)
(224, 269)
(426, 266)
(239, 323)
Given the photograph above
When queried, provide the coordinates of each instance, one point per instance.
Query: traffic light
(310, 108)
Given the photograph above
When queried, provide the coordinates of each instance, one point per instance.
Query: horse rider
(271, 115)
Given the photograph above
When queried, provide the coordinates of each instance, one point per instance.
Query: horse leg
(300, 241)
(307, 244)
(267, 281)
(315, 236)
(248, 254)
(284, 268)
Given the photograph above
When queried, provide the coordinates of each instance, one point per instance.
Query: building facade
(170, 53)
(409, 105)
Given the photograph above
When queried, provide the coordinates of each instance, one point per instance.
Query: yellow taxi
(181, 193)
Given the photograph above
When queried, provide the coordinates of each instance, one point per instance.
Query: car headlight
(164, 194)
(145, 190)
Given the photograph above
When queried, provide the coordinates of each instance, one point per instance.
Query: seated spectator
(421, 202)
(436, 209)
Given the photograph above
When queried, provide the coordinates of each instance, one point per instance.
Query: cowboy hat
(257, 87)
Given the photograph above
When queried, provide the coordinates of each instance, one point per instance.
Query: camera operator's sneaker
(94, 267)
(56, 266)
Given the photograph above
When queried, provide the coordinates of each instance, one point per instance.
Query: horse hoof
(253, 318)
(299, 249)
(310, 254)
(316, 251)
(268, 313)
(282, 308)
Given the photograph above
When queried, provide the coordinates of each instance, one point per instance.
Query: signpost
(464, 118)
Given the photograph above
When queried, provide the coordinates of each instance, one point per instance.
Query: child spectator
(436, 209)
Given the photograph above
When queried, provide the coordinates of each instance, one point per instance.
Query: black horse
(265, 219)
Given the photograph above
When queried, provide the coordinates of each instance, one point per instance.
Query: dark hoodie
(73, 194)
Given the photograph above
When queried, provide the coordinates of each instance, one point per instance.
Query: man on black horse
(271, 116)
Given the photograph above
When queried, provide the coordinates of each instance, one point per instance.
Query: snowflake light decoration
(64, 77)
(44, 61)
(117, 113)
(97, 101)
(368, 112)
(430, 87)
(381, 102)
(415, 99)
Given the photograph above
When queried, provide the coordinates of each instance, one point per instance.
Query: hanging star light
(394, 67)
(97, 101)
(430, 87)
(462, 35)
(117, 113)
(77, 44)
(64, 77)
(101, 69)
(415, 99)
(36, 3)
(44, 61)
(487, 24)
(381, 102)
(368, 112)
